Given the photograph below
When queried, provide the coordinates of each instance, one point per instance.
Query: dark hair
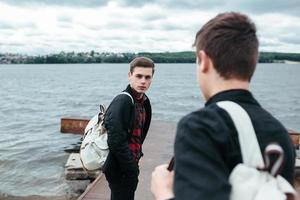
(230, 41)
(141, 62)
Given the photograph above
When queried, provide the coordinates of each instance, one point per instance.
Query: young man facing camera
(206, 145)
(127, 121)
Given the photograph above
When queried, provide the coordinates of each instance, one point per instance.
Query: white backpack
(94, 148)
(249, 183)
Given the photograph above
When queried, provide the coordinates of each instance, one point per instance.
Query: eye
(148, 77)
(139, 76)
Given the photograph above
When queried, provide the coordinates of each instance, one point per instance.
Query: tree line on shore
(107, 57)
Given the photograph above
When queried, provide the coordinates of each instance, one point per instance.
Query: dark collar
(133, 94)
(236, 95)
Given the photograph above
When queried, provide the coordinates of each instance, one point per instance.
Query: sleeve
(200, 170)
(116, 122)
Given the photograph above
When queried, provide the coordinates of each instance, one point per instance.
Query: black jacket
(118, 121)
(207, 147)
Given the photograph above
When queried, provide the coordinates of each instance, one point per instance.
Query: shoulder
(147, 101)
(208, 116)
(122, 99)
(147, 98)
(121, 103)
(209, 122)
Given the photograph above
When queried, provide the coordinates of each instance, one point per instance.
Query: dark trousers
(121, 187)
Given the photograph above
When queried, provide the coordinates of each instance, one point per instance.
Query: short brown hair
(230, 41)
(141, 62)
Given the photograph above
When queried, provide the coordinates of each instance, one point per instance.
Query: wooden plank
(290, 131)
(98, 189)
(294, 137)
(73, 125)
(75, 171)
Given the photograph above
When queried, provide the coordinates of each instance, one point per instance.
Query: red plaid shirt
(139, 121)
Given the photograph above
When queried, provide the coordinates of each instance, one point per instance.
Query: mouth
(142, 87)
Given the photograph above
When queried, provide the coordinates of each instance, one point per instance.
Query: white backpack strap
(274, 149)
(129, 96)
(250, 149)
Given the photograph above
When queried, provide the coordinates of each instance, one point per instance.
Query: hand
(162, 183)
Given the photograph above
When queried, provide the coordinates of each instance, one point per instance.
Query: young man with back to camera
(127, 123)
(206, 145)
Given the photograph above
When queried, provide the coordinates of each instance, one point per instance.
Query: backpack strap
(132, 101)
(274, 149)
(249, 146)
(126, 93)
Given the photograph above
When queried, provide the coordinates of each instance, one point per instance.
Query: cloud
(278, 30)
(14, 44)
(267, 42)
(291, 39)
(4, 25)
(65, 22)
(183, 4)
(154, 16)
(70, 3)
(290, 7)
(64, 18)
(44, 26)
(16, 26)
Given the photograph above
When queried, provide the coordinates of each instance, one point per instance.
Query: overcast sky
(50, 26)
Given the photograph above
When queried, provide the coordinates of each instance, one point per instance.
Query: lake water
(33, 98)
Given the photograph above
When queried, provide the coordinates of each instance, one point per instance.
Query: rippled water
(33, 98)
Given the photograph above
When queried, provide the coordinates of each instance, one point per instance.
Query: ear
(204, 61)
(129, 74)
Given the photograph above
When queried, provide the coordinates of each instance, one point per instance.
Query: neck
(139, 95)
(223, 85)
(136, 94)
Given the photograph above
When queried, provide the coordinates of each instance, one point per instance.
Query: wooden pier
(97, 190)
(158, 149)
(73, 125)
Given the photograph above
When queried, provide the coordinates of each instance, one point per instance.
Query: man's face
(140, 79)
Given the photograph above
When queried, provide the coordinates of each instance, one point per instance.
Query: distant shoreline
(108, 57)
(291, 62)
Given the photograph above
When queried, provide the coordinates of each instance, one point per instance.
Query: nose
(143, 80)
